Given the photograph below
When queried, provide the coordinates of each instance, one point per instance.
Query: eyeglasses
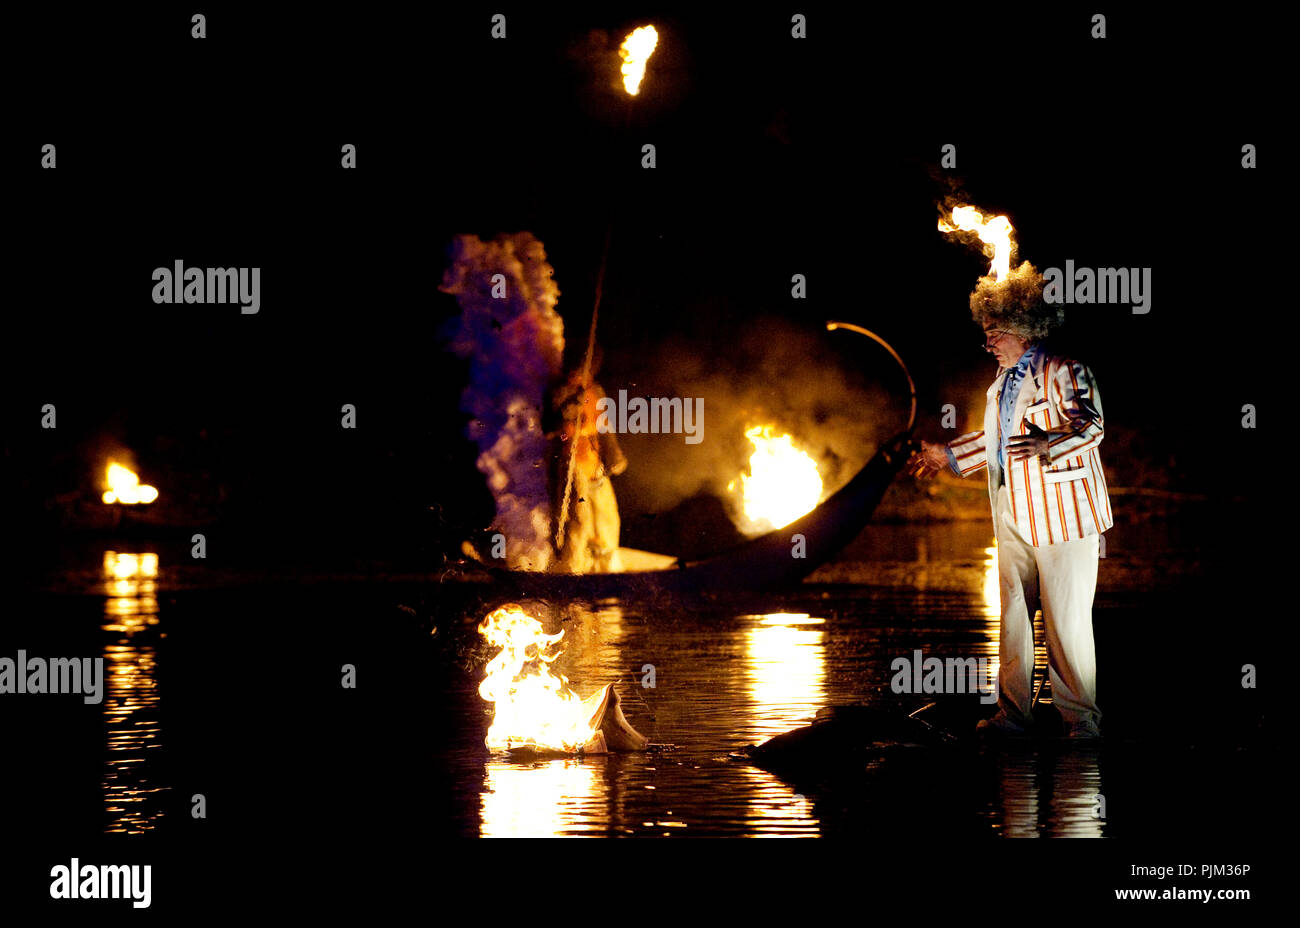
(995, 335)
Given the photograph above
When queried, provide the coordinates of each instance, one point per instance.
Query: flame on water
(636, 51)
(125, 487)
(994, 232)
(783, 482)
(533, 706)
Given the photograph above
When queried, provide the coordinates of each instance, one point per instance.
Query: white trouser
(1062, 579)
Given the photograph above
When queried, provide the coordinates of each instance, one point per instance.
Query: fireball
(534, 707)
(783, 482)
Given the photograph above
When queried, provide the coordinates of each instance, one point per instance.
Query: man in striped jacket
(1042, 428)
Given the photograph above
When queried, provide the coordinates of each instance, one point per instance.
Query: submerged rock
(842, 735)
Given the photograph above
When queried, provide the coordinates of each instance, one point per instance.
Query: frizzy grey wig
(1015, 304)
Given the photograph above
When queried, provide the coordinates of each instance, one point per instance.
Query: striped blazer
(1066, 497)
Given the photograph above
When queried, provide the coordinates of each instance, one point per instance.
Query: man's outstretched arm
(962, 456)
(966, 453)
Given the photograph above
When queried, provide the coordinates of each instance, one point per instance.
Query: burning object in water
(534, 708)
(123, 486)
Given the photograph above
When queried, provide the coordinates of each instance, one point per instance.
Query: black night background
(775, 157)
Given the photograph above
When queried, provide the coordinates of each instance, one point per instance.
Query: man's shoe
(1002, 725)
(1084, 731)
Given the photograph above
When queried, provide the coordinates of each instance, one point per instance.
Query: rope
(586, 383)
(586, 362)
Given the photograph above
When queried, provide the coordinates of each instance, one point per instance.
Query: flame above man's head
(994, 231)
(1006, 297)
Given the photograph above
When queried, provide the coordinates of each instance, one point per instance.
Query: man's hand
(1033, 445)
(932, 459)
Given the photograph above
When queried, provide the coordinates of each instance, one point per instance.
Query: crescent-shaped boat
(778, 559)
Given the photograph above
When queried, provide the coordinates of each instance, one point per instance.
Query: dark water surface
(235, 693)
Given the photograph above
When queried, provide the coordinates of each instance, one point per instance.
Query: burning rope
(586, 384)
(635, 51)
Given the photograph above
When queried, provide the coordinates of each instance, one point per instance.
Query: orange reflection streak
(776, 810)
(131, 704)
(541, 800)
(785, 657)
(992, 606)
(993, 615)
(785, 662)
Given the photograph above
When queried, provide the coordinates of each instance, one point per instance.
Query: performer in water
(589, 540)
(1042, 427)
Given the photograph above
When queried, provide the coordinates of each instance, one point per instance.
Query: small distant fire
(783, 482)
(125, 487)
(636, 51)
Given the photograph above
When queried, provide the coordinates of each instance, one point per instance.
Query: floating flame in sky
(125, 487)
(782, 484)
(636, 51)
(994, 232)
(534, 708)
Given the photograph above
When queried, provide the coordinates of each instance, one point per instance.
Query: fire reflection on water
(785, 665)
(785, 662)
(1054, 795)
(993, 617)
(992, 605)
(131, 698)
(539, 800)
(776, 810)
